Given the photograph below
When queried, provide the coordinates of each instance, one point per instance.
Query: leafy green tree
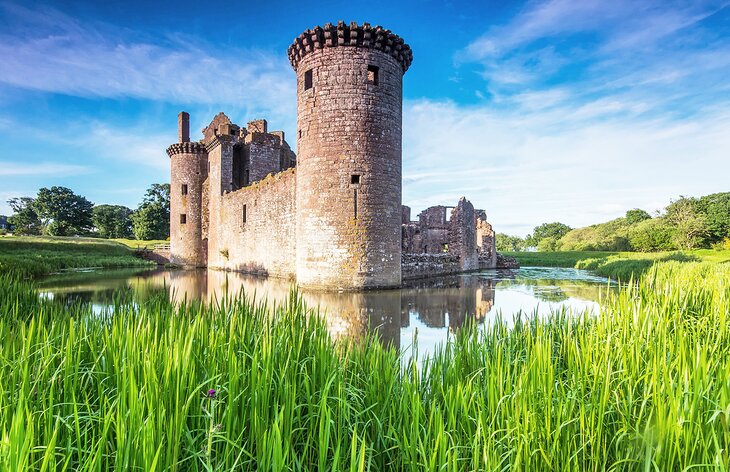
(548, 244)
(63, 212)
(636, 216)
(25, 219)
(654, 234)
(548, 230)
(507, 243)
(112, 221)
(715, 209)
(690, 228)
(152, 218)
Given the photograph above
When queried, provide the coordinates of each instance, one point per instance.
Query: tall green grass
(644, 386)
(616, 265)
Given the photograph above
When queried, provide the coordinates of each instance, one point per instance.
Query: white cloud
(42, 169)
(53, 52)
(525, 168)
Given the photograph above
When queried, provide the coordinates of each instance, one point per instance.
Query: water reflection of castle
(450, 303)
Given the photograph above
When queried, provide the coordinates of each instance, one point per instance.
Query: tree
(636, 216)
(25, 219)
(548, 230)
(654, 234)
(507, 243)
(112, 221)
(548, 244)
(715, 210)
(690, 229)
(63, 212)
(152, 218)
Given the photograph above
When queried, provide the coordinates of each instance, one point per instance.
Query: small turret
(188, 170)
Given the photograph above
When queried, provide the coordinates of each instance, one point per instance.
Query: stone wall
(263, 241)
(418, 266)
(462, 235)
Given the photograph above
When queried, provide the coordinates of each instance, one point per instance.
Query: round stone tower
(349, 124)
(188, 168)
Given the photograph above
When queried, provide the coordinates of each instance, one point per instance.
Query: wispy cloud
(524, 171)
(52, 52)
(43, 169)
(593, 48)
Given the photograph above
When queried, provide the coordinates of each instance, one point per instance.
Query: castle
(331, 216)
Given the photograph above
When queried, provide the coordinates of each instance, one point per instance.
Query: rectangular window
(373, 74)
(355, 179)
(243, 214)
(183, 218)
(308, 79)
(184, 189)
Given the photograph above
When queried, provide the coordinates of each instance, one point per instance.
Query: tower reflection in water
(446, 303)
(432, 309)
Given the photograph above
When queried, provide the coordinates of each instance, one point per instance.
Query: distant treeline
(686, 223)
(58, 211)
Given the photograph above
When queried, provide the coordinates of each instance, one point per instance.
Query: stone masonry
(331, 217)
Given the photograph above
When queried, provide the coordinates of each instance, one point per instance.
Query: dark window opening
(184, 189)
(246, 177)
(183, 218)
(300, 133)
(308, 79)
(355, 179)
(355, 201)
(243, 213)
(373, 74)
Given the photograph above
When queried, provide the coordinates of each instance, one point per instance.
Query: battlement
(190, 147)
(353, 34)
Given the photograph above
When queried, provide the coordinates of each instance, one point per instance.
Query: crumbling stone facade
(447, 240)
(330, 217)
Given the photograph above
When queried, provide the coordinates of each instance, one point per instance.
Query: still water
(433, 309)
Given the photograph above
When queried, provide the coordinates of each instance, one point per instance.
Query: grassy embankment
(642, 387)
(36, 256)
(618, 265)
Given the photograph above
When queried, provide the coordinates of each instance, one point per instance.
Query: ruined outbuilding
(331, 216)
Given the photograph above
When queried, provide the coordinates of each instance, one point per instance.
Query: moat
(433, 309)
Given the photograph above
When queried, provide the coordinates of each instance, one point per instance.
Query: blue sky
(536, 111)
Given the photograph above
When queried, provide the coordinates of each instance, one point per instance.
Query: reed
(243, 385)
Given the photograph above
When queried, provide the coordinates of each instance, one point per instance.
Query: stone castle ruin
(331, 216)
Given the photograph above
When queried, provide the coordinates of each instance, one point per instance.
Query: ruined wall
(418, 266)
(486, 241)
(349, 125)
(261, 238)
(462, 235)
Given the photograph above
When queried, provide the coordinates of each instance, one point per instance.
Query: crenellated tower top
(342, 34)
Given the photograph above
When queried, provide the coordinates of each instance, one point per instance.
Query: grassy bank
(618, 265)
(36, 256)
(241, 387)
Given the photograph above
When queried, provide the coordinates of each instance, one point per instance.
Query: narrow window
(183, 218)
(245, 177)
(184, 189)
(444, 247)
(300, 134)
(355, 179)
(355, 201)
(308, 79)
(243, 212)
(373, 74)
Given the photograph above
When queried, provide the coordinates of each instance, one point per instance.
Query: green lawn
(619, 265)
(35, 256)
